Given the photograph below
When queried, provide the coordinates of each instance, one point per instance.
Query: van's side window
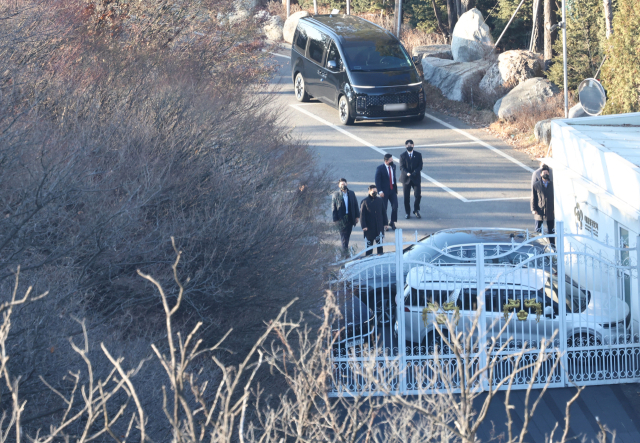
(316, 50)
(301, 39)
(334, 55)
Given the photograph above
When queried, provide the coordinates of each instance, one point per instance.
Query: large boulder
(471, 38)
(511, 69)
(272, 28)
(530, 92)
(577, 111)
(542, 131)
(291, 24)
(438, 51)
(451, 77)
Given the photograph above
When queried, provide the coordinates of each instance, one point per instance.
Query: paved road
(471, 179)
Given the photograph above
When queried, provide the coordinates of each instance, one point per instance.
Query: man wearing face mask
(346, 213)
(542, 206)
(374, 219)
(388, 187)
(410, 167)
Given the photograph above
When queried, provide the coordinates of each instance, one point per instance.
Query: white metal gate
(522, 310)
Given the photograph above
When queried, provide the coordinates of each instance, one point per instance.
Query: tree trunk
(452, 14)
(550, 18)
(537, 34)
(436, 11)
(459, 10)
(608, 17)
(468, 5)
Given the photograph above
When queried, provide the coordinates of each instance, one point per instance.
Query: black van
(357, 67)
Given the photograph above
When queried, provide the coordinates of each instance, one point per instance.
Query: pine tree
(621, 71)
(519, 32)
(585, 43)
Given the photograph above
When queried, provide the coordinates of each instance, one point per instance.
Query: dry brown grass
(471, 115)
(518, 132)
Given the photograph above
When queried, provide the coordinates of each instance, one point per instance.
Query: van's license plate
(395, 107)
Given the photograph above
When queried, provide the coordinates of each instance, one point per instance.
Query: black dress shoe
(417, 214)
(407, 216)
(393, 226)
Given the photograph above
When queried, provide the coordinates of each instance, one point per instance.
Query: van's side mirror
(332, 65)
(415, 58)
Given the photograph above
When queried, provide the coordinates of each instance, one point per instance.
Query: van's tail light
(361, 103)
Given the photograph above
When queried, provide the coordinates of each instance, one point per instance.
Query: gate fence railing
(511, 314)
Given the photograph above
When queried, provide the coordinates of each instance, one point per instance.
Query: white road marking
(382, 151)
(435, 145)
(280, 55)
(480, 142)
(497, 199)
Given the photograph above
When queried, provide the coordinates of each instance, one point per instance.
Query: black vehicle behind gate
(357, 67)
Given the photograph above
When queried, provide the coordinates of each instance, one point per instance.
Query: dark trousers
(345, 235)
(550, 229)
(393, 198)
(417, 193)
(370, 239)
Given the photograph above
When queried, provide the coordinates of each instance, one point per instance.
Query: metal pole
(564, 58)
(562, 307)
(315, 7)
(348, 7)
(635, 300)
(481, 286)
(288, 8)
(402, 348)
(399, 19)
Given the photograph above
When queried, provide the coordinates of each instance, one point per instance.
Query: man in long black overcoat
(373, 219)
(542, 205)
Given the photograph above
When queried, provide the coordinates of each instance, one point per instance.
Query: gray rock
(577, 111)
(471, 38)
(291, 24)
(451, 77)
(542, 131)
(272, 28)
(511, 69)
(438, 51)
(530, 92)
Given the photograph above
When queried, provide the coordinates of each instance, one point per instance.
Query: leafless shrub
(197, 407)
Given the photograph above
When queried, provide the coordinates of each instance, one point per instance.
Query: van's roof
(348, 27)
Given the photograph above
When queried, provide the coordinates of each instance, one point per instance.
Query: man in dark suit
(387, 185)
(542, 205)
(374, 219)
(410, 167)
(346, 213)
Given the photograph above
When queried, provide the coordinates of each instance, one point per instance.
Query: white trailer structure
(596, 172)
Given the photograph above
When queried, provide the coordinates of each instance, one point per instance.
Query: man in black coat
(387, 185)
(374, 219)
(410, 167)
(542, 205)
(535, 177)
(346, 213)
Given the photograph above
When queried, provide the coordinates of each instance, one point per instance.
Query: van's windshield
(376, 56)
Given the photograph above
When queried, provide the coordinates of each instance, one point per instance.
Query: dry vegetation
(102, 398)
(123, 125)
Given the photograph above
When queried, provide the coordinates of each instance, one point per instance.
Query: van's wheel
(299, 89)
(344, 113)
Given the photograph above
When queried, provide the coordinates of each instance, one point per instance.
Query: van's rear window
(375, 56)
